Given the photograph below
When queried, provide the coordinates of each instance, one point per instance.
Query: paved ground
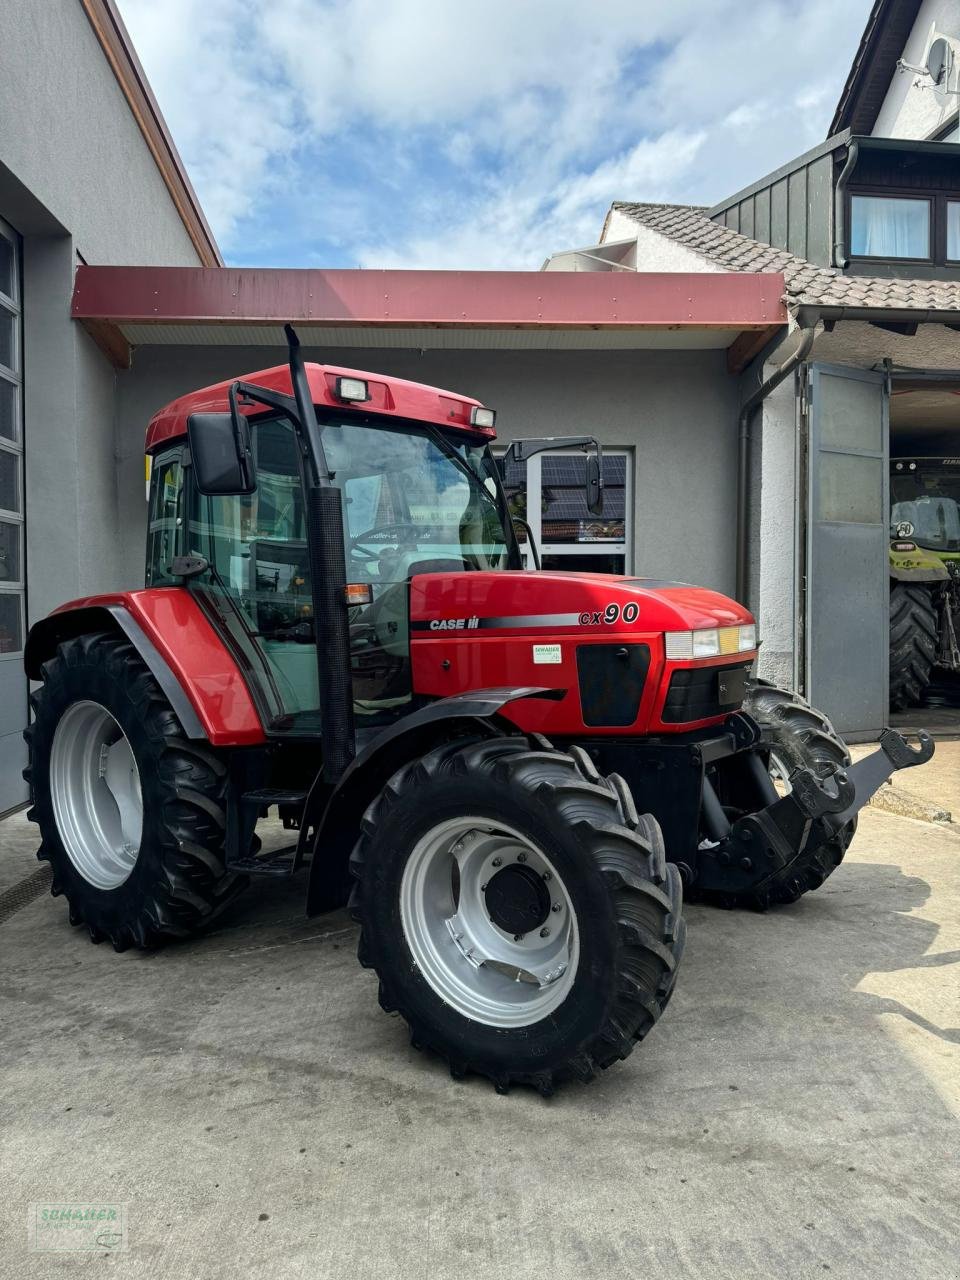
(937, 781)
(794, 1115)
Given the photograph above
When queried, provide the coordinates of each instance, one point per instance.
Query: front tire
(131, 813)
(797, 736)
(520, 915)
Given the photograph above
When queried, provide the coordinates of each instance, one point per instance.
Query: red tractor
(518, 772)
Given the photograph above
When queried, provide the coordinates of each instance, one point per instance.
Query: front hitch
(761, 844)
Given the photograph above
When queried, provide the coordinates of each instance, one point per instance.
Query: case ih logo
(455, 624)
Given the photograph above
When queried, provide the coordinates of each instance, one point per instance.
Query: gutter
(807, 333)
(840, 256)
(832, 314)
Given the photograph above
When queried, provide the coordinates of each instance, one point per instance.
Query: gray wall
(68, 135)
(69, 435)
(675, 409)
(78, 182)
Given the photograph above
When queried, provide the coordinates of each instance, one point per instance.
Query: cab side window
(165, 519)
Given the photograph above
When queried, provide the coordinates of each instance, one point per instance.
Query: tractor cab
(400, 482)
(415, 498)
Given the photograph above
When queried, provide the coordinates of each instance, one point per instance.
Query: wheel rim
(779, 772)
(466, 885)
(96, 794)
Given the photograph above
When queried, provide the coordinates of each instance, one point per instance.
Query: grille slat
(694, 694)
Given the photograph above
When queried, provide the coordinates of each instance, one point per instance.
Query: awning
(127, 307)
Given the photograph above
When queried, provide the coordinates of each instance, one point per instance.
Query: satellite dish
(938, 60)
(939, 68)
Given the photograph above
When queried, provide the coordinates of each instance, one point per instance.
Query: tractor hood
(593, 603)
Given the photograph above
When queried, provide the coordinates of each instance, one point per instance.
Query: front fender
(918, 565)
(414, 735)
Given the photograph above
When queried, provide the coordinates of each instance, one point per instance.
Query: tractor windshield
(925, 494)
(416, 501)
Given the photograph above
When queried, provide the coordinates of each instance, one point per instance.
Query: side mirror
(594, 485)
(220, 452)
(520, 450)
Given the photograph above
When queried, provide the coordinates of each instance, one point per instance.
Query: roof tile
(806, 283)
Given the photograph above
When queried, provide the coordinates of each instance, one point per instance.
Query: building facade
(865, 229)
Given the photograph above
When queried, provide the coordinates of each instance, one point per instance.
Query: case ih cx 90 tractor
(511, 775)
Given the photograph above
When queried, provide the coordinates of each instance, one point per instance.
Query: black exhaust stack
(329, 572)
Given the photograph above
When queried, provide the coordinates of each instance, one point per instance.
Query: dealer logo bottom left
(67, 1228)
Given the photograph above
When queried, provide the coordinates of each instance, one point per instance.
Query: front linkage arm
(761, 844)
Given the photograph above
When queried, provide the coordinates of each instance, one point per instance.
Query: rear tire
(797, 737)
(913, 642)
(561, 832)
(131, 812)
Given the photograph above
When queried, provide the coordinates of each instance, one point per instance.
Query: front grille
(694, 694)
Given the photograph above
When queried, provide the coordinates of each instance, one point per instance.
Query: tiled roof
(806, 284)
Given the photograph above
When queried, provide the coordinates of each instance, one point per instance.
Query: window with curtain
(953, 229)
(889, 227)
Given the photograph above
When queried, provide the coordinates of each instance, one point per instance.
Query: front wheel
(796, 736)
(131, 812)
(519, 913)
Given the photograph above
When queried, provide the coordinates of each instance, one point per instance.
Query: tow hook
(762, 843)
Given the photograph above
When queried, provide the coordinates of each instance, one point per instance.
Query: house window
(889, 227)
(548, 492)
(953, 230)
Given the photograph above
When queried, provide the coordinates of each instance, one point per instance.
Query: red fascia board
(445, 299)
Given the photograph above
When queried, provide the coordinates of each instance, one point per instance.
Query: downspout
(840, 207)
(807, 334)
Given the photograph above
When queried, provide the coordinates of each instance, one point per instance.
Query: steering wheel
(383, 532)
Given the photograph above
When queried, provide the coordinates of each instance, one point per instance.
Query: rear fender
(335, 834)
(177, 643)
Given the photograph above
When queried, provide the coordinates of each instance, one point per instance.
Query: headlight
(711, 642)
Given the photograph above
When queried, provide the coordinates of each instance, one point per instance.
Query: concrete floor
(796, 1113)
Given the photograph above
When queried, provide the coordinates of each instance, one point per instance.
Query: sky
(478, 134)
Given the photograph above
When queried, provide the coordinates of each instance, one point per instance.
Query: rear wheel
(796, 736)
(131, 812)
(519, 913)
(913, 642)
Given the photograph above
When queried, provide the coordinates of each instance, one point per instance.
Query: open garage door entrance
(925, 551)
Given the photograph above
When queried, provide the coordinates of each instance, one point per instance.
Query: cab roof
(391, 397)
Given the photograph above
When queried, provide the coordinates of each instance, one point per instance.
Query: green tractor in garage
(924, 573)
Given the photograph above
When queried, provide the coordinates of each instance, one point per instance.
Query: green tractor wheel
(913, 642)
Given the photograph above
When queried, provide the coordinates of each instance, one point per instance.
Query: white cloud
(479, 133)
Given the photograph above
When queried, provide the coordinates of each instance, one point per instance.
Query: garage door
(13, 687)
(847, 597)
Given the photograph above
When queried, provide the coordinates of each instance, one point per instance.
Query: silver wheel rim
(95, 789)
(478, 968)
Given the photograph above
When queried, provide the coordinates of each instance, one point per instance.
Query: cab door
(258, 582)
